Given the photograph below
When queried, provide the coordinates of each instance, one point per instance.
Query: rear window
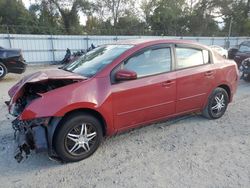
(189, 57)
(244, 48)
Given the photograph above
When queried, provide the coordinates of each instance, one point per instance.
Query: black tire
(74, 124)
(3, 70)
(210, 111)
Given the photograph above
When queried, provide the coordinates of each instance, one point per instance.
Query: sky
(28, 2)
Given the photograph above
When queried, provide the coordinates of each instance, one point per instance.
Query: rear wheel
(3, 70)
(78, 137)
(217, 104)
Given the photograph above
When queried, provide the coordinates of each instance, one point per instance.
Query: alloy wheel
(81, 139)
(218, 105)
(1, 70)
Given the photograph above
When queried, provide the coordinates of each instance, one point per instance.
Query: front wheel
(78, 137)
(217, 104)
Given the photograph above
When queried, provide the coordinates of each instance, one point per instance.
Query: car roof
(215, 46)
(246, 43)
(136, 42)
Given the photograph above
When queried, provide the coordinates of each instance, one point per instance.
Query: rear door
(152, 95)
(195, 77)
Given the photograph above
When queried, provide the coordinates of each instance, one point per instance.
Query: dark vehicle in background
(11, 61)
(245, 69)
(241, 56)
(241, 53)
(232, 52)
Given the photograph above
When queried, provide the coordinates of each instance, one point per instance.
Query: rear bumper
(19, 69)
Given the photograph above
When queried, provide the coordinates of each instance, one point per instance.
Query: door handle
(167, 83)
(209, 73)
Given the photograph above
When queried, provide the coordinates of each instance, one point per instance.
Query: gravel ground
(187, 152)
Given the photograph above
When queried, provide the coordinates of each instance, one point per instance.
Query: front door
(152, 95)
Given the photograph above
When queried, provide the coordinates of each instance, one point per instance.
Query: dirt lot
(192, 152)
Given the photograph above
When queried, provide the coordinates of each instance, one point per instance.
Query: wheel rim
(1, 70)
(218, 104)
(81, 139)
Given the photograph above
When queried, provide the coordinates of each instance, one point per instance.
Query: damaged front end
(35, 132)
(30, 135)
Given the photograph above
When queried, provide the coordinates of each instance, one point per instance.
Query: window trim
(153, 47)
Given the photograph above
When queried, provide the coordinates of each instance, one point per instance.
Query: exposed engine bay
(32, 91)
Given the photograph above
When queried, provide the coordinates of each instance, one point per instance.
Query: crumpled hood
(40, 76)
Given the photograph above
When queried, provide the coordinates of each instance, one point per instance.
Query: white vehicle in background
(223, 52)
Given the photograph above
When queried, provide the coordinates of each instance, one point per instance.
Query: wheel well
(4, 66)
(90, 112)
(227, 88)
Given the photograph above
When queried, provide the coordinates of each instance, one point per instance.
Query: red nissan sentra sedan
(114, 88)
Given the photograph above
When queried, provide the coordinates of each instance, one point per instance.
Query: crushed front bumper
(34, 135)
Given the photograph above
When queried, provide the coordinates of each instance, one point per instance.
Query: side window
(189, 57)
(244, 48)
(150, 62)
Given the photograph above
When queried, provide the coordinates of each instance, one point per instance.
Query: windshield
(244, 48)
(94, 61)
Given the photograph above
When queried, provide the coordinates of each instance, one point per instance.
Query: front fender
(58, 102)
(37, 109)
(40, 109)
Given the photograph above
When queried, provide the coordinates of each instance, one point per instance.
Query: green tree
(48, 20)
(112, 10)
(166, 17)
(237, 12)
(201, 19)
(63, 16)
(14, 15)
(129, 24)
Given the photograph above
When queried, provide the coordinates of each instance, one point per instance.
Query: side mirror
(123, 75)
